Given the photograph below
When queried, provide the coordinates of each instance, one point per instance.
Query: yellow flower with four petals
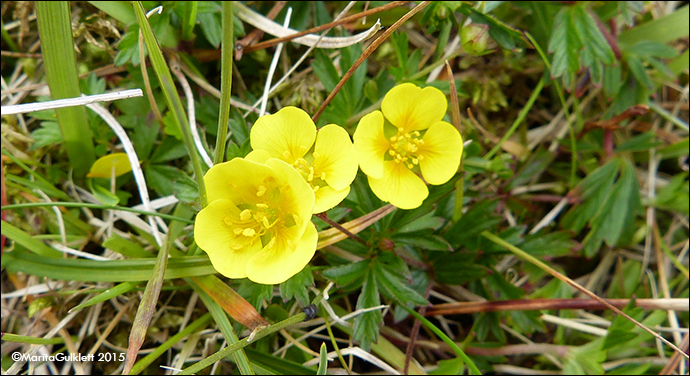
(327, 159)
(406, 138)
(258, 220)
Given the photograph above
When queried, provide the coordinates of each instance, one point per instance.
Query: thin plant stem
(366, 54)
(273, 42)
(334, 224)
(227, 49)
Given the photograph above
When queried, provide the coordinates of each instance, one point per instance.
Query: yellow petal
(399, 186)
(237, 180)
(335, 156)
(285, 258)
(371, 144)
(411, 108)
(214, 235)
(327, 198)
(288, 134)
(441, 152)
(298, 199)
(258, 156)
(103, 166)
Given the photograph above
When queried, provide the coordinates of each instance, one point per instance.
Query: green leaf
(297, 286)
(346, 274)
(126, 247)
(255, 293)
(674, 195)
(565, 44)
(366, 329)
(638, 70)
(323, 360)
(641, 142)
(552, 244)
(455, 366)
(424, 240)
(56, 267)
(102, 194)
(396, 287)
(47, 134)
(108, 294)
(211, 26)
(676, 150)
(457, 268)
(168, 180)
(591, 191)
(592, 37)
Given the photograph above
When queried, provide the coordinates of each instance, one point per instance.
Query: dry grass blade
(233, 304)
(273, 42)
(333, 235)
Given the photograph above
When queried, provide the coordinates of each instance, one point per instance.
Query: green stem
(225, 81)
(470, 364)
(171, 97)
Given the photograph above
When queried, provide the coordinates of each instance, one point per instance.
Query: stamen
(286, 154)
(316, 155)
(237, 230)
(262, 206)
(228, 221)
(245, 215)
(260, 191)
(248, 232)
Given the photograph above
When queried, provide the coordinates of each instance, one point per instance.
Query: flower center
(260, 215)
(312, 177)
(404, 148)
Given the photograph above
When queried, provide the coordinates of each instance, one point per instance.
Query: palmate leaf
(577, 42)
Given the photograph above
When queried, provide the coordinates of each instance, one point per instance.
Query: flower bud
(474, 38)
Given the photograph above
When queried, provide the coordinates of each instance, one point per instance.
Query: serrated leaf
(168, 180)
(255, 293)
(297, 286)
(396, 287)
(565, 44)
(346, 274)
(592, 38)
(48, 134)
(366, 329)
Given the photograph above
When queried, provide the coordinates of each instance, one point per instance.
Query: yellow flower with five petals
(408, 137)
(257, 223)
(326, 160)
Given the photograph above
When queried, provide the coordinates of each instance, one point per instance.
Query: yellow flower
(257, 223)
(290, 135)
(406, 138)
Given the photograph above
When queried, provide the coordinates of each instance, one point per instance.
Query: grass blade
(54, 27)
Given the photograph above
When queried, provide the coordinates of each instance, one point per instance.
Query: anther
(248, 232)
(245, 215)
(237, 230)
(228, 221)
(286, 154)
(260, 191)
